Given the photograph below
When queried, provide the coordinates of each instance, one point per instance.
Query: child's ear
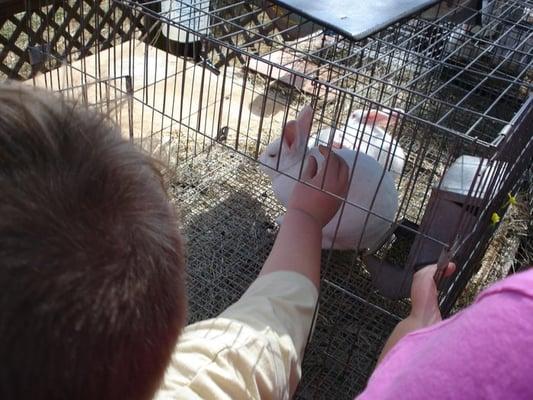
(290, 133)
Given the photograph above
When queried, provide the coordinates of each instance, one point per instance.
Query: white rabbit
(365, 132)
(286, 155)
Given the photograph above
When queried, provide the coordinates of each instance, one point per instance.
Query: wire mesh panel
(433, 114)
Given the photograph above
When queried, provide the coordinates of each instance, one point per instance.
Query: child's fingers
(324, 150)
(337, 170)
(332, 165)
(447, 271)
(426, 272)
(450, 269)
(311, 168)
(343, 174)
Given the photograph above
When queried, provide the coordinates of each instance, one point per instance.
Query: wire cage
(207, 85)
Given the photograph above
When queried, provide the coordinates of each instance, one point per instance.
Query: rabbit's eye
(272, 155)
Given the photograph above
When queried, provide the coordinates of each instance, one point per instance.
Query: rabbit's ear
(383, 119)
(305, 120)
(290, 133)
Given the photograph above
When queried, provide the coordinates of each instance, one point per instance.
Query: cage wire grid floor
(228, 216)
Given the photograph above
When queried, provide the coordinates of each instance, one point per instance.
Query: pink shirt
(483, 352)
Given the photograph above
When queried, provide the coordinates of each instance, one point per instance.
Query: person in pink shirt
(482, 352)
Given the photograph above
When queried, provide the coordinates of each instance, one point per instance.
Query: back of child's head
(92, 295)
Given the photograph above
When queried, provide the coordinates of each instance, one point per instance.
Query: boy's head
(92, 292)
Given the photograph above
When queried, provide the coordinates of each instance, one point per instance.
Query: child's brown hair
(92, 294)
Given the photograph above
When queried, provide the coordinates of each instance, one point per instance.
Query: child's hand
(424, 302)
(424, 306)
(317, 204)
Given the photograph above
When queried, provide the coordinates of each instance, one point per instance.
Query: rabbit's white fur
(286, 155)
(366, 132)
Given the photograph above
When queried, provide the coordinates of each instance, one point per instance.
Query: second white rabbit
(367, 132)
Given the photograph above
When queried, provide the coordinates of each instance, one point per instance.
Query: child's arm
(466, 356)
(298, 244)
(424, 306)
(254, 348)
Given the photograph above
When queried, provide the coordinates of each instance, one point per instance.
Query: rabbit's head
(289, 150)
(375, 121)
